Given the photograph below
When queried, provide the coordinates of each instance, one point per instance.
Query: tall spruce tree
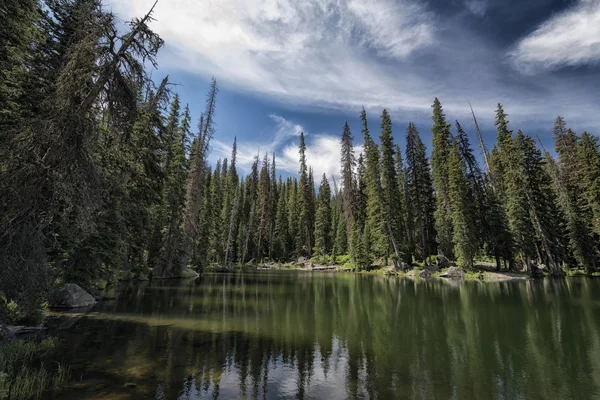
(377, 239)
(305, 200)
(348, 163)
(462, 204)
(442, 143)
(323, 220)
(421, 196)
(391, 196)
(569, 184)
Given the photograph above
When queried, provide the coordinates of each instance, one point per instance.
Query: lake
(302, 335)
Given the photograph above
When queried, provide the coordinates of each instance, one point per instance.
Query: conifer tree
(281, 237)
(323, 220)
(20, 35)
(293, 217)
(264, 209)
(477, 183)
(442, 141)
(391, 196)
(195, 185)
(543, 202)
(348, 163)
(588, 151)
(569, 180)
(463, 214)
(340, 246)
(305, 197)
(174, 195)
(404, 196)
(500, 161)
(377, 239)
(420, 190)
(361, 194)
(230, 208)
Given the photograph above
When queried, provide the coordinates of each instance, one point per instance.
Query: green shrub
(28, 369)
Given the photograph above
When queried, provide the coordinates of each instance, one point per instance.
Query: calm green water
(287, 335)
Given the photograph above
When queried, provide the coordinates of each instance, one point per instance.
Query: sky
(291, 66)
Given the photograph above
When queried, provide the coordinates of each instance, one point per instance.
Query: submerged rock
(454, 273)
(70, 296)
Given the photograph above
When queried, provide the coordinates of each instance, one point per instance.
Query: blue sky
(286, 66)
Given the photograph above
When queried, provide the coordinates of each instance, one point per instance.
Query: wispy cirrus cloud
(398, 54)
(570, 38)
(313, 51)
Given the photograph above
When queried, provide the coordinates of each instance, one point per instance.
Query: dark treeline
(102, 173)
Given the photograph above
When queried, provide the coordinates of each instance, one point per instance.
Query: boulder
(70, 296)
(454, 273)
(188, 273)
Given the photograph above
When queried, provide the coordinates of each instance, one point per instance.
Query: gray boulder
(70, 296)
(454, 273)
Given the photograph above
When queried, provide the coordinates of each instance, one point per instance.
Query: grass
(27, 371)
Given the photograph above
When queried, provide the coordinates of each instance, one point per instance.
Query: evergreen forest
(104, 175)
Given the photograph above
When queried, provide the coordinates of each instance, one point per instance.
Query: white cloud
(322, 150)
(568, 38)
(344, 54)
(318, 52)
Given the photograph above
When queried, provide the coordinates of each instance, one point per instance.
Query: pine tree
(442, 140)
(194, 189)
(264, 209)
(391, 196)
(588, 151)
(517, 206)
(348, 163)
(462, 204)
(569, 180)
(174, 195)
(323, 220)
(230, 208)
(20, 35)
(281, 236)
(340, 246)
(360, 200)
(543, 202)
(403, 208)
(293, 218)
(360, 242)
(377, 239)
(477, 183)
(421, 198)
(305, 231)
(500, 161)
